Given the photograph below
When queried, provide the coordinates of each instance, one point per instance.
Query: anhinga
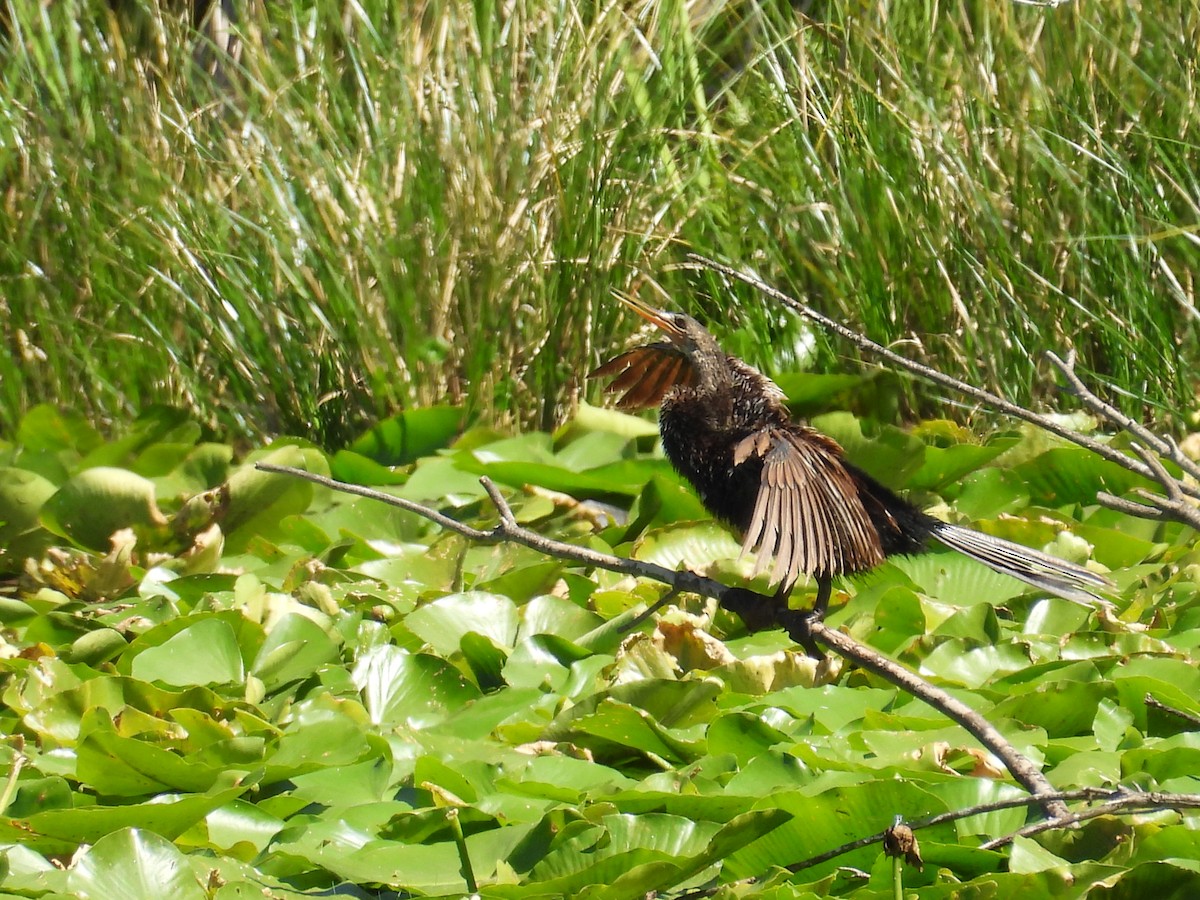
(787, 488)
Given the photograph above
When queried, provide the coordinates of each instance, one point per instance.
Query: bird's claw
(762, 611)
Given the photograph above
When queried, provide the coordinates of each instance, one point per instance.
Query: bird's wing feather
(645, 374)
(808, 515)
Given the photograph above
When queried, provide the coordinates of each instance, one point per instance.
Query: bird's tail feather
(1067, 580)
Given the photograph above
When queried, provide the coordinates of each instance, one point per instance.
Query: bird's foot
(798, 624)
(761, 611)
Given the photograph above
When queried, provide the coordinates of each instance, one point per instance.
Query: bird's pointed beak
(653, 316)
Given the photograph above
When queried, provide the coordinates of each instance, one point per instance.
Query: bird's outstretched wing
(808, 515)
(645, 374)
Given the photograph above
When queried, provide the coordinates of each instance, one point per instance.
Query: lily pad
(98, 502)
(135, 865)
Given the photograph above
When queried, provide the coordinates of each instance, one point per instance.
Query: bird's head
(685, 333)
(708, 361)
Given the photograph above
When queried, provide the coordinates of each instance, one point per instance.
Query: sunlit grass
(384, 204)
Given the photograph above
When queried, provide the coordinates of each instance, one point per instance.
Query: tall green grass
(380, 204)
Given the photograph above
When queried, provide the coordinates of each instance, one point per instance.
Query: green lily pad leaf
(1168, 878)
(50, 437)
(1066, 475)
(441, 480)
(1028, 855)
(61, 831)
(22, 494)
(991, 492)
(1171, 760)
(135, 865)
(413, 689)
(1174, 682)
(822, 821)
(411, 435)
(443, 623)
(832, 707)
(615, 480)
(530, 447)
(40, 794)
(415, 568)
(541, 660)
(613, 728)
(1111, 724)
(567, 778)
(96, 647)
(613, 421)
(426, 868)
(355, 468)
(691, 545)
(674, 704)
(957, 661)
(13, 611)
(808, 392)
(1115, 549)
(590, 451)
(57, 700)
(899, 620)
(663, 501)
(294, 648)
(642, 855)
(480, 718)
(957, 579)
(254, 502)
(1063, 709)
(485, 659)
(602, 855)
(97, 502)
(975, 623)
(205, 466)
(892, 457)
(742, 735)
(947, 465)
(239, 822)
(325, 734)
(115, 765)
(204, 653)
(550, 614)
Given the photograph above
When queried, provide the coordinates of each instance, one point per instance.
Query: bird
(801, 507)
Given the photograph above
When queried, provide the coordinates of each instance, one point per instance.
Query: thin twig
(1164, 446)
(1179, 503)
(1191, 718)
(1175, 505)
(995, 401)
(1066, 368)
(507, 529)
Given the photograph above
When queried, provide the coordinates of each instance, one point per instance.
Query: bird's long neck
(713, 376)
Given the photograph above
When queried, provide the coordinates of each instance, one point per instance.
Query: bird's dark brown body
(700, 435)
(785, 487)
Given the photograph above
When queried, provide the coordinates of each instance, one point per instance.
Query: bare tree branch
(1121, 801)
(1175, 506)
(507, 529)
(1021, 767)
